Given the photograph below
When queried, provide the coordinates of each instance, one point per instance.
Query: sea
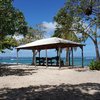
(28, 60)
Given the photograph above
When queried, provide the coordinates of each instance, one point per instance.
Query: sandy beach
(25, 82)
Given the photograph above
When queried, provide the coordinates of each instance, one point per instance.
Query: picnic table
(50, 60)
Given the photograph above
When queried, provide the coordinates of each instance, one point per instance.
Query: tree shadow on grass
(6, 71)
(52, 92)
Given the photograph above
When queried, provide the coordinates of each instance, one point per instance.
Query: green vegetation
(94, 65)
(64, 23)
(33, 34)
(7, 43)
(80, 20)
(12, 22)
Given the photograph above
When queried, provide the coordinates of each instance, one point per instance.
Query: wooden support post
(46, 59)
(59, 58)
(39, 57)
(35, 58)
(82, 57)
(17, 56)
(72, 57)
(69, 57)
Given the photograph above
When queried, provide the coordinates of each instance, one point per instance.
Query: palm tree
(64, 23)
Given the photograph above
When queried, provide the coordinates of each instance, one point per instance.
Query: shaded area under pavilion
(51, 43)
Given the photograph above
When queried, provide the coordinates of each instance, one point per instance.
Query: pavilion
(51, 43)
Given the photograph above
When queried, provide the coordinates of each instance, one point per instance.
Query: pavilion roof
(50, 43)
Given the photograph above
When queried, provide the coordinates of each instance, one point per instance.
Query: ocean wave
(12, 59)
(8, 63)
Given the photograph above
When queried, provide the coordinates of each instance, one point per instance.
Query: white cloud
(18, 37)
(49, 27)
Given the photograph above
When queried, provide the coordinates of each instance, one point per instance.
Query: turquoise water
(28, 60)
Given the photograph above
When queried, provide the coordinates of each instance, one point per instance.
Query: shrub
(94, 65)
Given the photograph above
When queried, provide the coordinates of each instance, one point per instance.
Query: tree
(12, 21)
(89, 14)
(35, 33)
(64, 23)
(86, 20)
(7, 43)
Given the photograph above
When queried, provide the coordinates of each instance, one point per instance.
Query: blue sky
(43, 11)
(37, 11)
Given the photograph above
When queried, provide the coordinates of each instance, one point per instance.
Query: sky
(43, 11)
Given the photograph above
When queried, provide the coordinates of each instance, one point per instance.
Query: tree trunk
(33, 57)
(67, 56)
(97, 51)
(96, 45)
